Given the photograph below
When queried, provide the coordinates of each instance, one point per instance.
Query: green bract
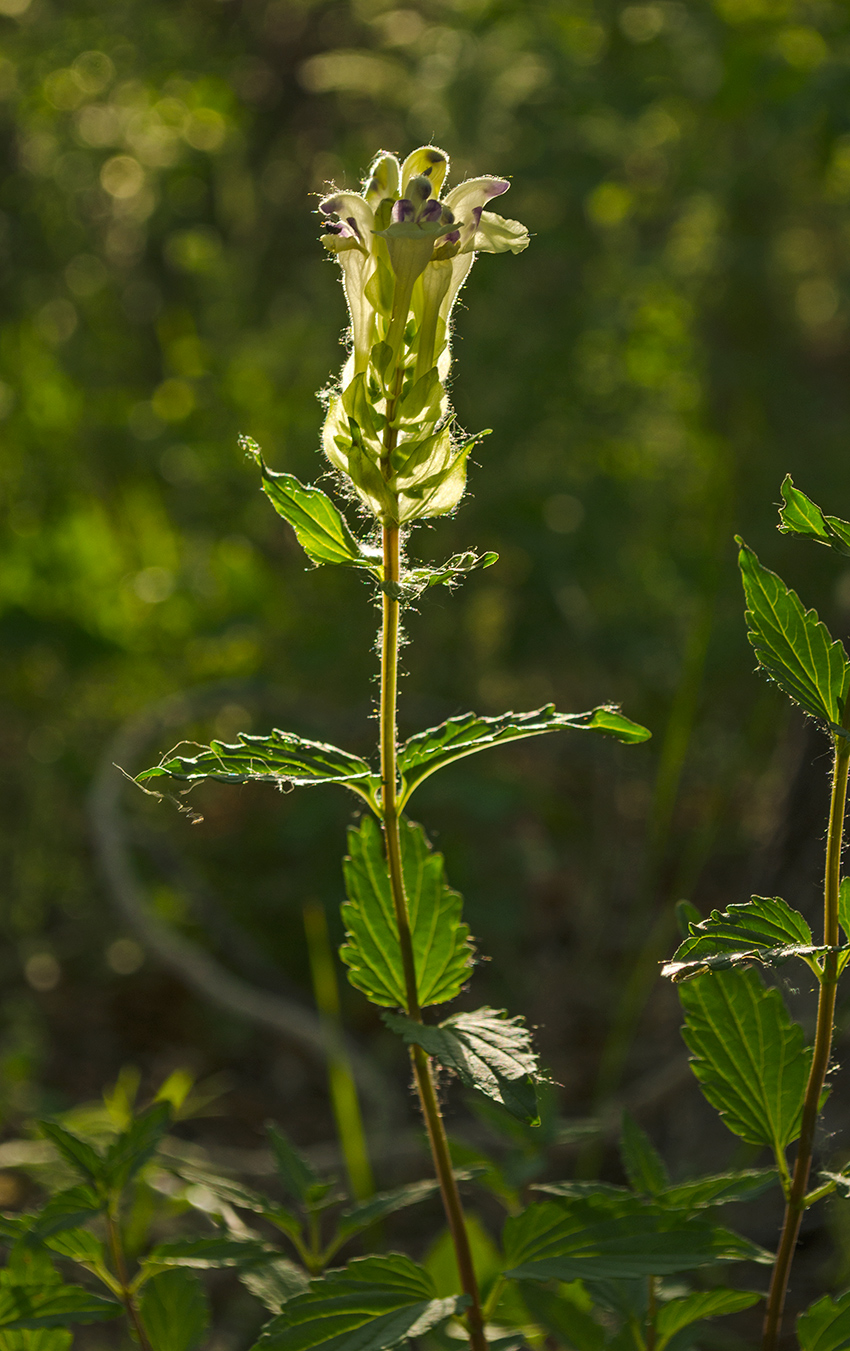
(404, 254)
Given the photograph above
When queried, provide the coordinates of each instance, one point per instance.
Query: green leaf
(81, 1245)
(825, 1326)
(52, 1306)
(82, 1156)
(129, 1153)
(39, 1339)
(748, 1055)
(614, 1238)
(373, 1304)
(793, 647)
(296, 1174)
(468, 733)
(764, 930)
(236, 1194)
(281, 758)
(801, 516)
(441, 947)
(65, 1210)
(174, 1311)
(564, 1315)
(209, 1253)
(359, 1217)
(418, 579)
(680, 1313)
(319, 527)
(719, 1190)
(487, 1050)
(275, 1283)
(642, 1163)
(844, 906)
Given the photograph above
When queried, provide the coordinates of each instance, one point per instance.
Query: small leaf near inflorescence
(801, 516)
(763, 930)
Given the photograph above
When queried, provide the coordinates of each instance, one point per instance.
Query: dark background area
(674, 340)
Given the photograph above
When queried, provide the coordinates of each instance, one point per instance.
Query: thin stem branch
(820, 1056)
(128, 1299)
(421, 1063)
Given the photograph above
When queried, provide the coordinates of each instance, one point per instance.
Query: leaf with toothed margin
(487, 1050)
(825, 1326)
(281, 758)
(373, 1304)
(418, 579)
(319, 526)
(51, 1306)
(442, 951)
(793, 647)
(764, 930)
(468, 733)
(801, 516)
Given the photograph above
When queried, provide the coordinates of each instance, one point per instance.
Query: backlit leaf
(801, 516)
(719, 1190)
(274, 1283)
(442, 950)
(319, 526)
(764, 930)
(82, 1156)
(487, 1050)
(281, 758)
(793, 647)
(208, 1253)
(681, 1313)
(174, 1311)
(469, 733)
(136, 1146)
(415, 580)
(373, 1304)
(642, 1163)
(748, 1055)
(51, 1306)
(359, 1217)
(825, 1326)
(614, 1238)
(65, 1210)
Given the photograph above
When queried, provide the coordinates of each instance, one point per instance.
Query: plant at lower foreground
(749, 1056)
(585, 1265)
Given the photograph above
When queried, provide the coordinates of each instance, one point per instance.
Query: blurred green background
(674, 340)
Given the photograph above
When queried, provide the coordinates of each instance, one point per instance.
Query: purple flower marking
(403, 210)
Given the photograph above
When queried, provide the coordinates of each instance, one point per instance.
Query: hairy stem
(820, 1058)
(128, 1299)
(421, 1063)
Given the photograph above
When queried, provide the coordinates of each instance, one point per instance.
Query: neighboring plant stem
(421, 1063)
(796, 1203)
(343, 1090)
(116, 1249)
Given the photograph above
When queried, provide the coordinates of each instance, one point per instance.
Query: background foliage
(673, 342)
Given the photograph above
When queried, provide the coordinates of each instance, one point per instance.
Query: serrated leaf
(642, 1163)
(319, 526)
(764, 930)
(441, 945)
(210, 1253)
(51, 1306)
(614, 1238)
(236, 1194)
(487, 1050)
(564, 1317)
(825, 1326)
(748, 1055)
(65, 1210)
(801, 516)
(81, 1245)
(428, 751)
(373, 1304)
(681, 1313)
(38, 1339)
(296, 1174)
(281, 758)
(82, 1156)
(418, 579)
(378, 1207)
(133, 1148)
(792, 646)
(275, 1283)
(719, 1190)
(174, 1311)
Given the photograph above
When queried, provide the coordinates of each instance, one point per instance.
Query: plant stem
(821, 1053)
(116, 1248)
(421, 1062)
(651, 1313)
